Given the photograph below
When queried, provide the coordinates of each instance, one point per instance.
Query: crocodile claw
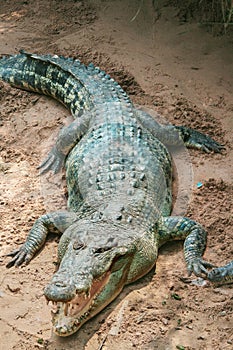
(54, 161)
(19, 256)
(199, 267)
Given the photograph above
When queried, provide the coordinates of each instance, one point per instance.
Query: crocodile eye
(78, 246)
(101, 250)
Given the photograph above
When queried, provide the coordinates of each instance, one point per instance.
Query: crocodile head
(92, 272)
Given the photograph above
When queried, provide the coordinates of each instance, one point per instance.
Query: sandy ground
(176, 69)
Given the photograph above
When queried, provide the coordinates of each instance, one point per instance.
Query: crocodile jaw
(68, 317)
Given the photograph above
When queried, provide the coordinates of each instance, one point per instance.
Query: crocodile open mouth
(68, 317)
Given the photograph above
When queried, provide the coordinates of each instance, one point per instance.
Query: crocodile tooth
(54, 308)
(60, 305)
(66, 307)
(63, 330)
(71, 307)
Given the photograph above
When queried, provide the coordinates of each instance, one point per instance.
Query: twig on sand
(138, 11)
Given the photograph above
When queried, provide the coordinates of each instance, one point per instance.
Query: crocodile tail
(45, 74)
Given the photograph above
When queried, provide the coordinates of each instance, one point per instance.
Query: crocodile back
(119, 170)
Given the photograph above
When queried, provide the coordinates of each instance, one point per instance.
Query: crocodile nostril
(60, 284)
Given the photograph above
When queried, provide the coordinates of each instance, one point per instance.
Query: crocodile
(119, 176)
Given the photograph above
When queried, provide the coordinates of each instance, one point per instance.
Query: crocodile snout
(60, 291)
(64, 287)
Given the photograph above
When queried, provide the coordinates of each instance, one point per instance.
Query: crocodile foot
(196, 139)
(54, 161)
(199, 267)
(221, 275)
(19, 256)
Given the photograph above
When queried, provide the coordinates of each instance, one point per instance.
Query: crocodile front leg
(176, 228)
(67, 139)
(56, 222)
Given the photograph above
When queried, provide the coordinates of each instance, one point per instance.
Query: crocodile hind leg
(172, 135)
(222, 274)
(56, 222)
(176, 228)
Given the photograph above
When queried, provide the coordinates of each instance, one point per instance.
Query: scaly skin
(222, 274)
(119, 175)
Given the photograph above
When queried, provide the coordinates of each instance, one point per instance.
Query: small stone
(222, 313)
(165, 321)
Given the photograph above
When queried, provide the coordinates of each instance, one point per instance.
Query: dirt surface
(179, 70)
